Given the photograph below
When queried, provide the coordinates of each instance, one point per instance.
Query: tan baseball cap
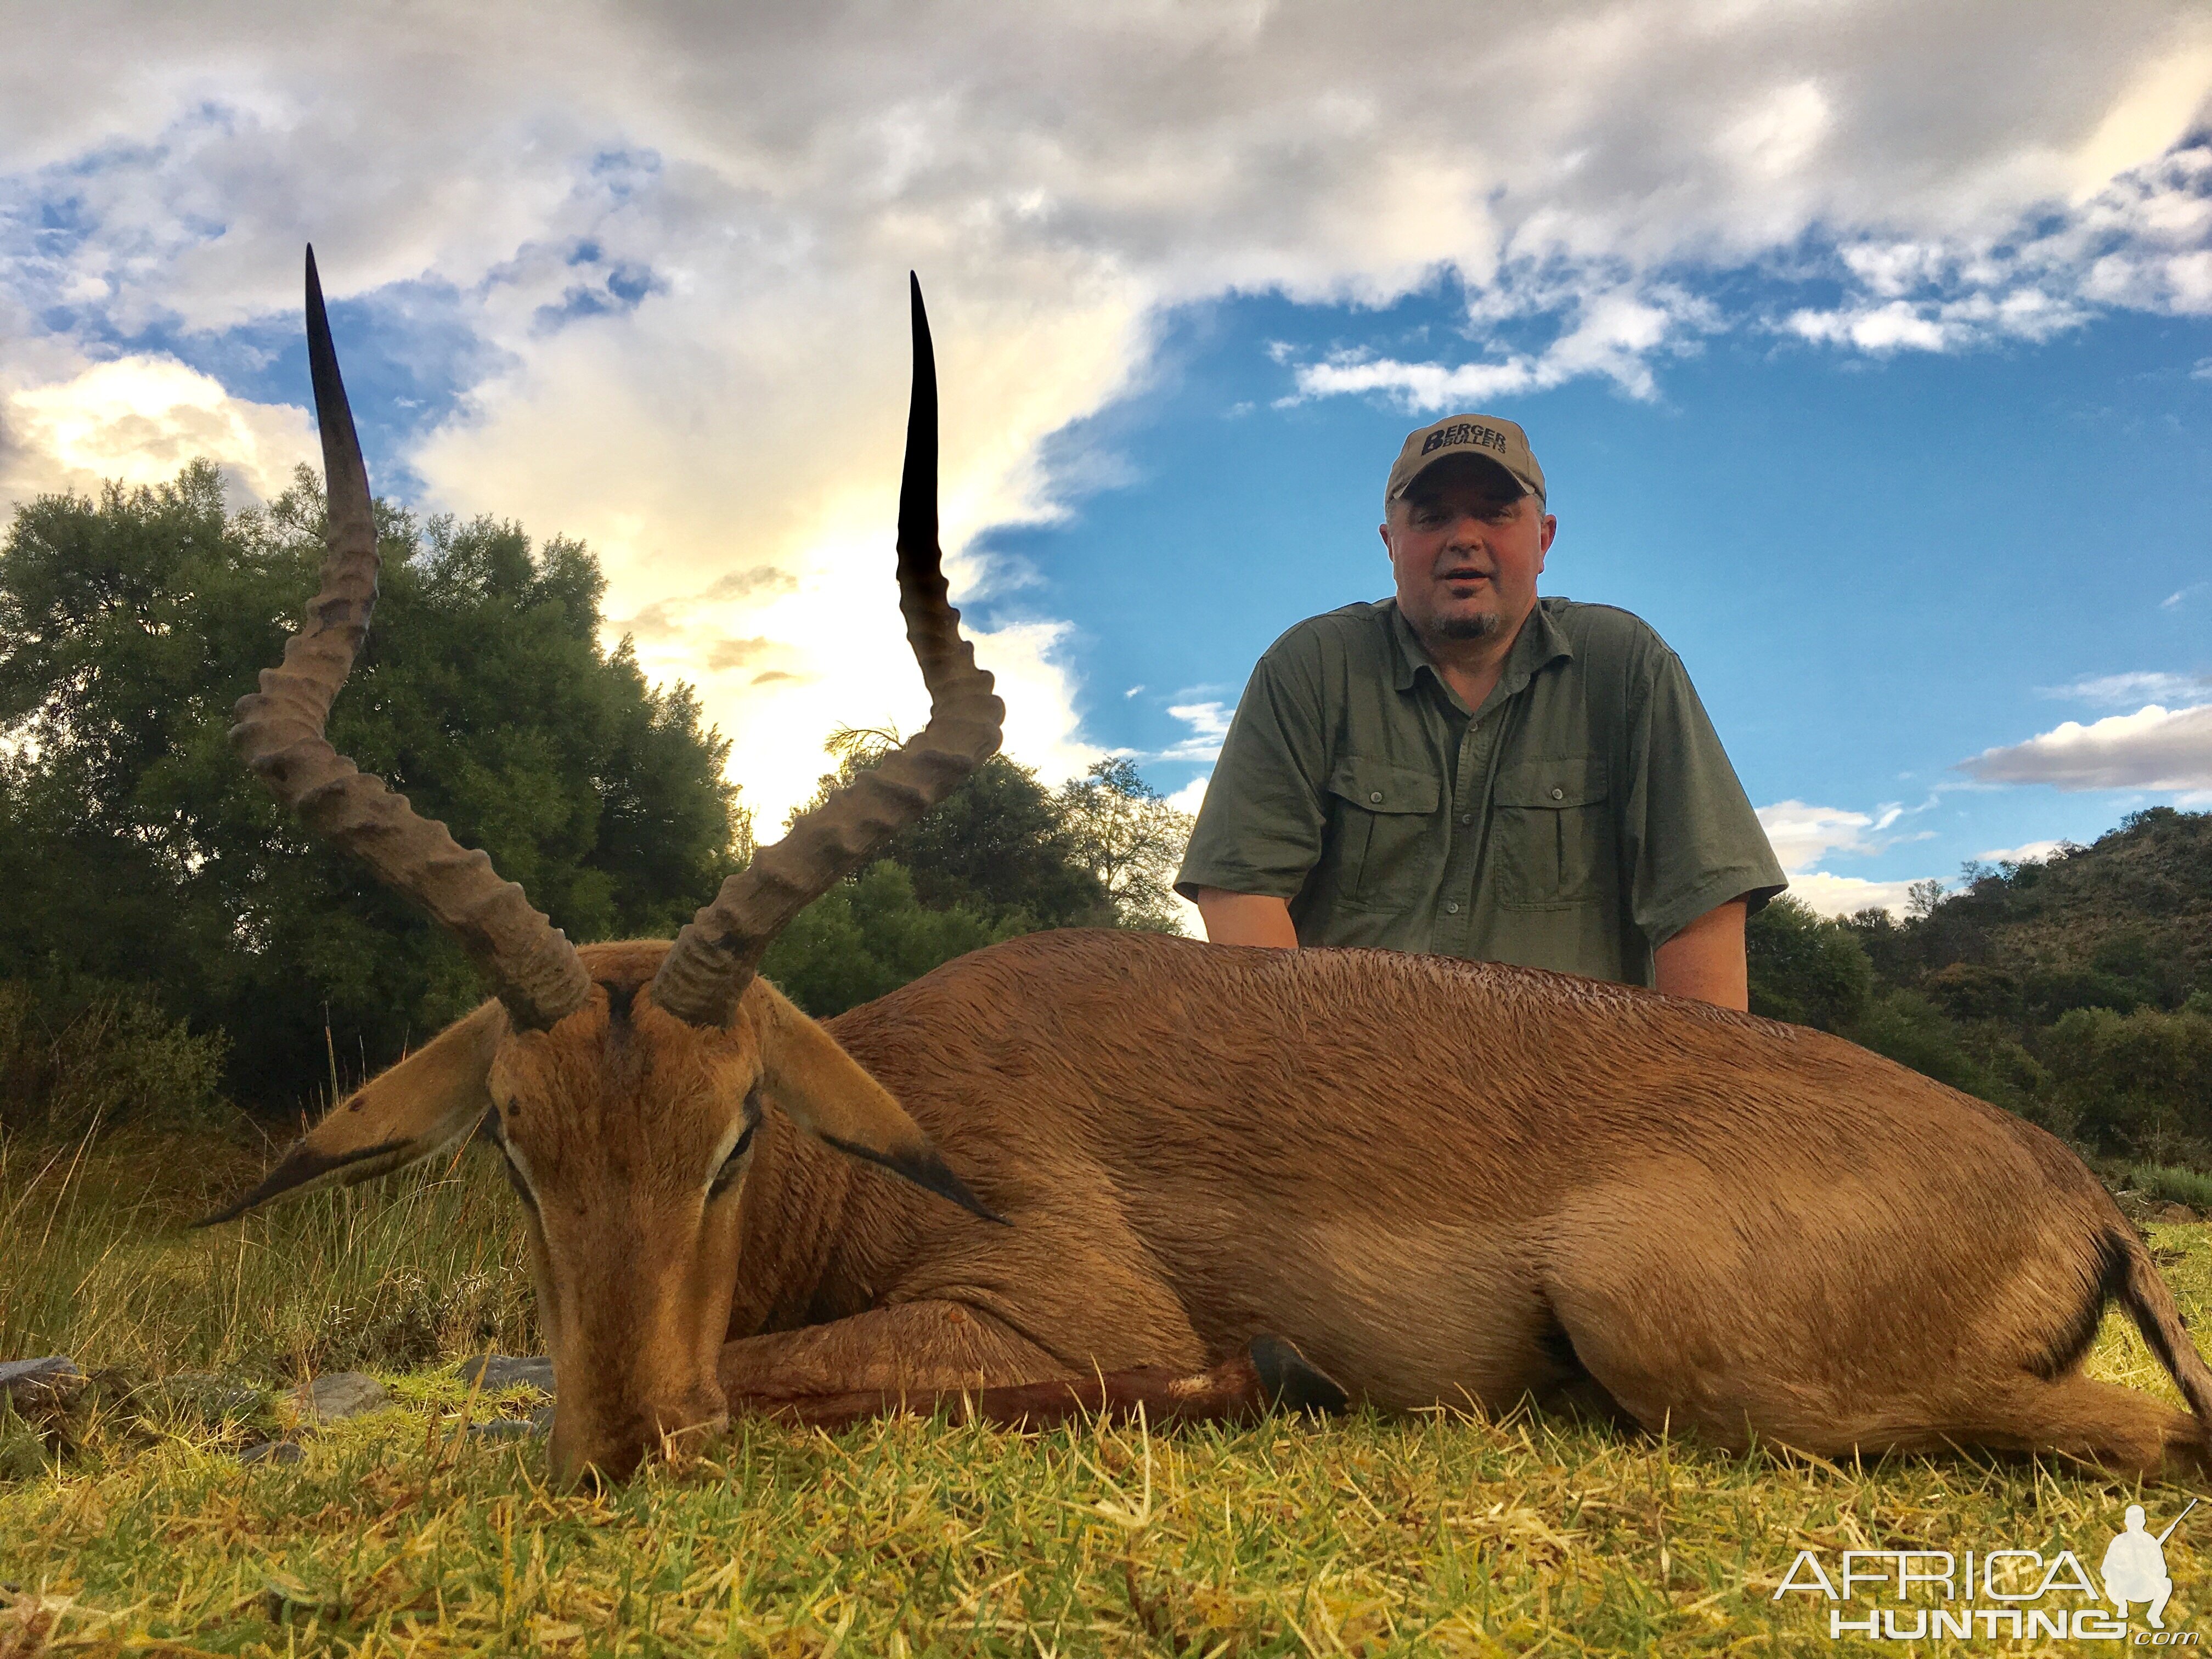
(1484, 436)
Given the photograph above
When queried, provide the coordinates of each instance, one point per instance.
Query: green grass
(135, 1531)
(2172, 1185)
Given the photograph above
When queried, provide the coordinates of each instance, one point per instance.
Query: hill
(2075, 990)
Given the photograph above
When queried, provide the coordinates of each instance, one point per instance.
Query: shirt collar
(1538, 644)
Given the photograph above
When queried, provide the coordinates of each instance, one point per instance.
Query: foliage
(117, 1060)
(2076, 991)
(995, 847)
(138, 857)
(1126, 835)
(400, 1533)
(869, 936)
(98, 1265)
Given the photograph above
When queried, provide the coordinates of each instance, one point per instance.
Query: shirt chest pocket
(1550, 833)
(1385, 835)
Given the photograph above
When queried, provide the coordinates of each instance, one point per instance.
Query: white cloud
(675, 234)
(2135, 687)
(2153, 748)
(2031, 852)
(1209, 725)
(1844, 896)
(139, 419)
(1191, 796)
(1804, 835)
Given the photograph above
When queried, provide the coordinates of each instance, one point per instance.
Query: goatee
(1469, 628)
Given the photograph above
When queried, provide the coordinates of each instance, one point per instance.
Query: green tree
(137, 852)
(870, 935)
(1807, 969)
(1126, 835)
(998, 847)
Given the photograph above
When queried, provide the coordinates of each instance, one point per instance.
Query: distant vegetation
(169, 940)
(2075, 991)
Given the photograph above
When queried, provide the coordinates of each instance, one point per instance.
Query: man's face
(1466, 553)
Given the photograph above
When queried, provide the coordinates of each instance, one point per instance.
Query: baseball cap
(1484, 436)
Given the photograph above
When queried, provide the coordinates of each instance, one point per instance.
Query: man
(1468, 770)
(2134, 1568)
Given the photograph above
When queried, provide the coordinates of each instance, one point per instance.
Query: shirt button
(1466, 817)
(1557, 793)
(1376, 795)
(1451, 907)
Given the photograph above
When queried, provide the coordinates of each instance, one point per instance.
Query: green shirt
(1583, 816)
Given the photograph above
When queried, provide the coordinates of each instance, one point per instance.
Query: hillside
(2076, 990)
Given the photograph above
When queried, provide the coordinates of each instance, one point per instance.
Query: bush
(118, 1060)
(2171, 1185)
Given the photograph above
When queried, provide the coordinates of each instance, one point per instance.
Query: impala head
(623, 1083)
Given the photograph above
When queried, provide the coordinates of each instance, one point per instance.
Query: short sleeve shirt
(1578, 820)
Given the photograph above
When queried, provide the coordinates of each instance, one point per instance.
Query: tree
(137, 852)
(1129, 837)
(997, 846)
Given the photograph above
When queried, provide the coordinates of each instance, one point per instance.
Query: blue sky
(1875, 568)
(1868, 346)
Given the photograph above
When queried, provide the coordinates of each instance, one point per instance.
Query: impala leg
(789, 1374)
(915, 1347)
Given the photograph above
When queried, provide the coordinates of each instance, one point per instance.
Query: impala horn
(716, 954)
(279, 735)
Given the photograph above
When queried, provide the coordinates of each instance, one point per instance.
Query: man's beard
(1481, 627)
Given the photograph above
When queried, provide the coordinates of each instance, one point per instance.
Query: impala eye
(728, 1172)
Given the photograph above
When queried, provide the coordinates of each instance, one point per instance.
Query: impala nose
(610, 1445)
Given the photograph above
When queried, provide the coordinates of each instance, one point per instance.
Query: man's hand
(1246, 918)
(1704, 960)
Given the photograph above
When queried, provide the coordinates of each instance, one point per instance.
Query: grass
(132, 1529)
(2172, 1185)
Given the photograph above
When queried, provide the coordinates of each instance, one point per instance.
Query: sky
(1867, 348)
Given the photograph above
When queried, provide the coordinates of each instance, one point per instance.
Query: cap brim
(1464, 455)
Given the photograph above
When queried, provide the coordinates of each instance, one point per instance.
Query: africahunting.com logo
(1912, 1595)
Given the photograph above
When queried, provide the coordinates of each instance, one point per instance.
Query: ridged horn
(279, 735)
(716, 956)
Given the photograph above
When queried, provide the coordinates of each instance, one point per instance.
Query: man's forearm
(1245, 918)
(1705, 960)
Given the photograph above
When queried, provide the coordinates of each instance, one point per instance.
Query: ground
(401, 1532)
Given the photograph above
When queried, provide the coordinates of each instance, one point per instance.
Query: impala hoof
(1289, 1382)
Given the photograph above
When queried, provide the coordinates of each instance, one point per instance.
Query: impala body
(1439, 1182)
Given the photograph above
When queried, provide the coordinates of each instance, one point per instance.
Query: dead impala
(1443, 1183)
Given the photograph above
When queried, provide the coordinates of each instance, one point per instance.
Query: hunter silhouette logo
(1916, 1595)
(2134, 1567)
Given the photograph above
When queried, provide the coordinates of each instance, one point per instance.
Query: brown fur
(1445, 1182)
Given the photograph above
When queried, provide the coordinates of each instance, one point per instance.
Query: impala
(1200, 1177)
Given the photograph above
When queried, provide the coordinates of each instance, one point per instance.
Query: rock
(272, 1451)
(340, 1394)
(202, 1392)
(39, 1384)
(536, 1426)
(494, 1371)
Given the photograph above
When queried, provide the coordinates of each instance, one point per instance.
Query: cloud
(1804, 835)
(2131, 687)
(1844, 896)
(2153, 748)
(2033, 852)
(669, 238)
(1209, 725)
(1191, 796)
(139, 419)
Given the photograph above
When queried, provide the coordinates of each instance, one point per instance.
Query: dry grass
(399, 1533)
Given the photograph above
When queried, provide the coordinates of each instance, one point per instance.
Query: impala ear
(402, 1115)
(824, 1091)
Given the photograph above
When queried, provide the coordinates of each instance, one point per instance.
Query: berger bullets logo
(1467, 432)
(1911, 1595)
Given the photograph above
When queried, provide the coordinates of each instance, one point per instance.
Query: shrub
(117, 1060)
